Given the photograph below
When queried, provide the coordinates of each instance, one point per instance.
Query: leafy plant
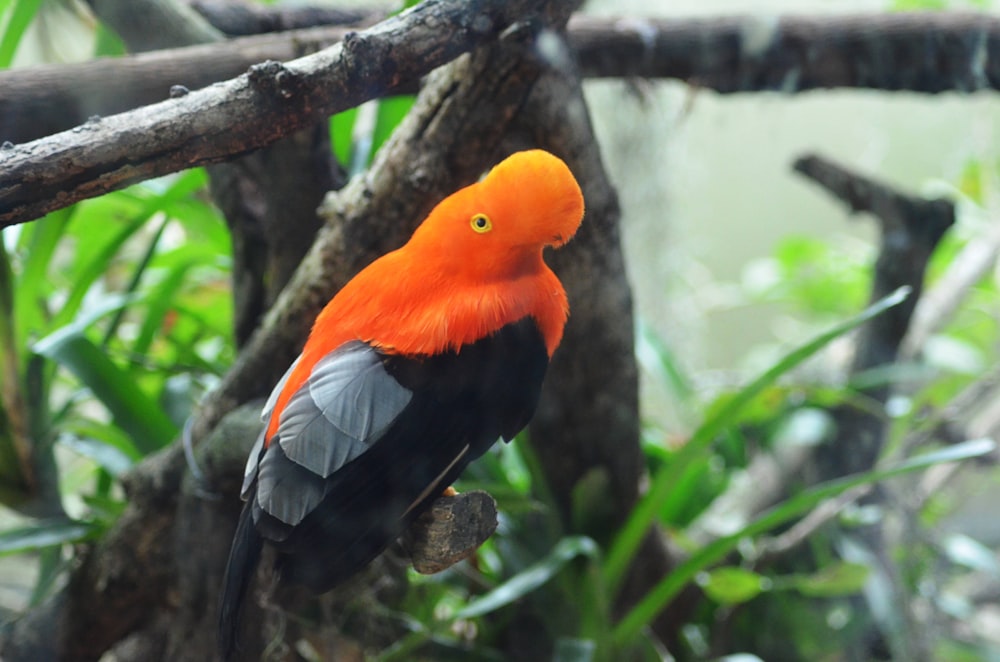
(115, 318)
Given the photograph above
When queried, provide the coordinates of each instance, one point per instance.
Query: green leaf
(574, 650)
(661, 490)
(91, 267)
(391, 111)
(160, 301)
(971, 553)
(135, 412)
(835, 580)
(341, 128)
(656, 357)
(532, 577)
(731, 586)
(37, 245)
(661, 594)
(107, 456)
(918, 5)
(24, 12)
(44, 533)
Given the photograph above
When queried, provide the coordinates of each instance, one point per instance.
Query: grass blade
(630, 537)
(661, 595)
(20, 18)
(531, 577)
(45, 533)
(135, 412)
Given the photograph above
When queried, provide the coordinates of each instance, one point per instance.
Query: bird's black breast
(499, 378)
(461, 403)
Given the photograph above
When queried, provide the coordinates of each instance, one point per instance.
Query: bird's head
(530, 200)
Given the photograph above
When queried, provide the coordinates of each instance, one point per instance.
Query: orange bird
(414, 369)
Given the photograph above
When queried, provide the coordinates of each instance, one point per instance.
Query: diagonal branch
(237, 116)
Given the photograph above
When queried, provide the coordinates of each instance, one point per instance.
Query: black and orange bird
(414, 369)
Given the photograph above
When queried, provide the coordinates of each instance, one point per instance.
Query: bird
(414, 369)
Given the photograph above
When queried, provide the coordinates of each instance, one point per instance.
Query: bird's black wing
(371, 438)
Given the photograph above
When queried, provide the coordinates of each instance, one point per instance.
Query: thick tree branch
(269, 102)
(918, 52)
(43, 100)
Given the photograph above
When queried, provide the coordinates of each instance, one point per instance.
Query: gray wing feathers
(250, 473)
(272, 399)
(349, 401)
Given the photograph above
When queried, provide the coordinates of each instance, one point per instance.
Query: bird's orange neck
(410, 307)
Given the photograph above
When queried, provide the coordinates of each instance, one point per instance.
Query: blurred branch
(911, 227)
(240, 17)
(776, 546)
(914, 51)
(938, 305)
(919, 52)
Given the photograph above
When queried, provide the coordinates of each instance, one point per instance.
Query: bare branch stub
(450, 531)
(911, 228)
(731, 54)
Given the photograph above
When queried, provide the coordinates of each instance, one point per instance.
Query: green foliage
(358, 133)
(21, 13)
(116, 315)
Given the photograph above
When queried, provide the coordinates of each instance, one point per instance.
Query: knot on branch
(275, 78)
(451, 530)
(480, 23)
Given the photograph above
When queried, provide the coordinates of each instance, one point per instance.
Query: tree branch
(918, 52)
(240, 17)
(271, 101)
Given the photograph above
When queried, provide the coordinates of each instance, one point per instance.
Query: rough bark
(271, 101)
(42, 100)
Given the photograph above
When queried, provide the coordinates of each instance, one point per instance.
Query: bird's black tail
(243, 559)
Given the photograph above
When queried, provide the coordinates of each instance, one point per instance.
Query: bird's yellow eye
(481, 223)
